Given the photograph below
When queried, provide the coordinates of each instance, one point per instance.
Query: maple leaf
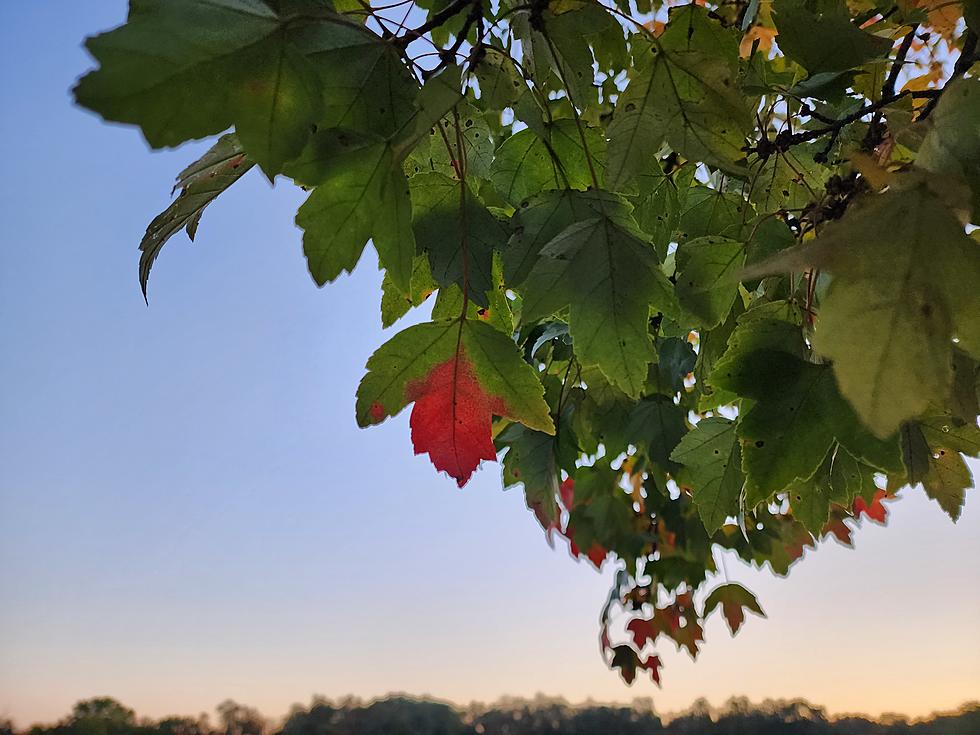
(643, 631)
(459, 374)
(609, 277)
(899, 297)
(932, 450)
(685, 95)
(679, 621)
(625, 659)
(451, 418)
(839, 529)
(652, 665)
(200, 184)
(734, 599)
(875, 510)
(712, 465)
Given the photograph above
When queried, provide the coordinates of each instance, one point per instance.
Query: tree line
(399, 715)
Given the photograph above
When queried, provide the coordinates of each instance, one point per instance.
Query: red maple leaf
(653, 664)
(876, 511)
(451, 419)
(840, 530)
(643, 631)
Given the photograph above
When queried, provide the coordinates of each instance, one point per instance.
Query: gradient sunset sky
(188, 511)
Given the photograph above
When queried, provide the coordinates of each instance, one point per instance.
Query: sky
(188, 511)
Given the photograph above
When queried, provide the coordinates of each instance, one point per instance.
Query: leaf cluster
(705, 275)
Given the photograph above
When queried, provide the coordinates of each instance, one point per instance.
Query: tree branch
(454, 8)
(786, 140)
(967, 56)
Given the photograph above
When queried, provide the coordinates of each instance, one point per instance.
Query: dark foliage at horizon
(397, 715)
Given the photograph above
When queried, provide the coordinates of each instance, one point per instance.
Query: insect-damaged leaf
(200, 184)
(711, 459)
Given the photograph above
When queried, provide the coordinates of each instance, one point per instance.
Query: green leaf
(366, 85)
(796, 416)
(200, 184)
(361, 193)
(530, 461)
(500, 82)
(275, 110)
(438, 96)
(675, 361)
(707, 277)
(789, 180)
(733, 598)
(819, 35)
(657, 206)
(656, 425)
(810, 501)
(477, 140)
(197, 49)
(584, 26)
(540, 218)
(899, 296)
(948, 477)
(932, 457)
(395, 303)
(188, 69)
(711, 456)
(526, 164)
(688, 96)
(707, 212)
(757, 329)
(787, 433)
(610, 278)
(440, 231)
(952, 145)
(850, 478)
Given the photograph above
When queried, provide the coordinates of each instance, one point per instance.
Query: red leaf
(597, 554)
(604, 639)
(653, 664)
(567, 492)
(451, 419)
(643, 631)
(840, 530)
(876, 511)
(679, 621)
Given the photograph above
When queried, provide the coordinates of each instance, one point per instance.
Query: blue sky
(188, 511)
